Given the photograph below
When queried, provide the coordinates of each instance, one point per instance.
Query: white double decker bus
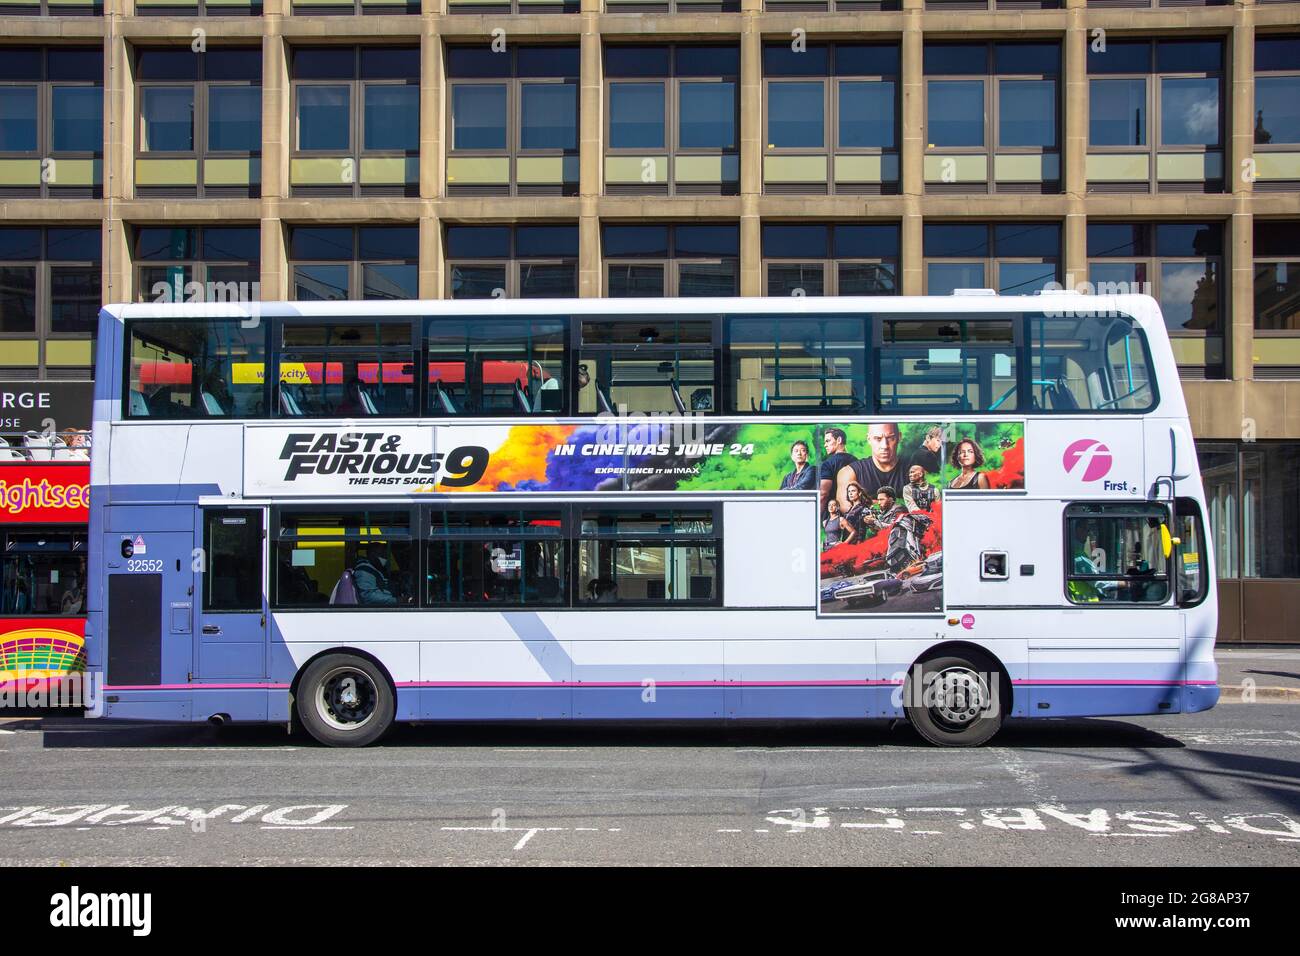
(343, 515)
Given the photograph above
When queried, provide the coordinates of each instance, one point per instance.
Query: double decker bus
(342, 515)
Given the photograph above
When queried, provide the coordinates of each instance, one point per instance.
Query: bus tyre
(961, 701)
(345, 701)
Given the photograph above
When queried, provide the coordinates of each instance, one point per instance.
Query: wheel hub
(346, 698)
(959, 696)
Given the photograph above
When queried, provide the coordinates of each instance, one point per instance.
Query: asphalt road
(1216, 788)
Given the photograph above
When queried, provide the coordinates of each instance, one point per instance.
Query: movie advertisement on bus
(880, 486)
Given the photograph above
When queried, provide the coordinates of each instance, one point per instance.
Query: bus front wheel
(960, 700)
(345, 701)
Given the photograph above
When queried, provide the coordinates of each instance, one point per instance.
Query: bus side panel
(497, 679)
(807, 678)
(651, 680)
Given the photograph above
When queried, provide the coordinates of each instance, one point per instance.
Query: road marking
(304, 828)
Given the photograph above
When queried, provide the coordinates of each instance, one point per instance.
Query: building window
(839, 259)
(677, 260)
(198, 8)
(992, 117)
(513, 120)
(199, 122)
(519, 262)
(1155, 116)
(49, 299)
(1277, 113)
(1015, 258)
(944, 6)
(838, 6)
(1252, 492)
(672, 120)
(831, 120)
(351, 7)
(364, 262)
(1180, 263)
(197, 264)
(356, 121)
(1276, 349)
(479, 7)
(51, 122)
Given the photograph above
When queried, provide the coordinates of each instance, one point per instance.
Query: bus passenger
(371, 576)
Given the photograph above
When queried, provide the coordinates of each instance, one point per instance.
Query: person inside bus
(968, 457)
(828, 471)
(74, 597)
(354, 403)
(804, 475)
(918, 494)
(372, 576)
(878, 469)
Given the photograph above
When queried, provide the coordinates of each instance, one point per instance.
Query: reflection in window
(496, 558)
(42, 573)
(209, 369)
(344, 559)
(784, 363)
(656, 364)
(648, 558)
(504, 367)
(955, 363)
(353, 370)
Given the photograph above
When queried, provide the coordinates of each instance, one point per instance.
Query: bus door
(230, 587)
(150, 607)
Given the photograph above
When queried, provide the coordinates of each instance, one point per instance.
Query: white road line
(304, 828)
(525, 838)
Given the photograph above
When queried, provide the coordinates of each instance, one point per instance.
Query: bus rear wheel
(961, 701)
(345, 701)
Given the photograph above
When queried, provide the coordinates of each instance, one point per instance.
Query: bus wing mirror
(1166, 540)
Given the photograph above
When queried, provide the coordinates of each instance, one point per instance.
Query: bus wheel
(961, 701)
(345, 701)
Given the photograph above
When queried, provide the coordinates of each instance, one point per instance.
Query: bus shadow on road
(1081, 733)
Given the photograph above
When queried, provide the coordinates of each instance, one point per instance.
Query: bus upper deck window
(1089, 363)
(509, 366)
(210, 368)
(649, 364)
(797, 363)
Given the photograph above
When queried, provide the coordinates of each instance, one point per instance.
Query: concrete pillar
(1074, 152)
(591, 149)
(119, 173)
(1240, 299)
(432, 101)
(431, 267)
(751, 149)
(276, 121)
(912, 160)
(276, 283)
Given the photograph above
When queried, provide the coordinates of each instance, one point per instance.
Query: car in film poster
(882, 488)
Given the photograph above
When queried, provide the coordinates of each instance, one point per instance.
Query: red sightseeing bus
(44, 510)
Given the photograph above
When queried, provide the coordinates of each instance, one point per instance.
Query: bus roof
(1142, 308)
